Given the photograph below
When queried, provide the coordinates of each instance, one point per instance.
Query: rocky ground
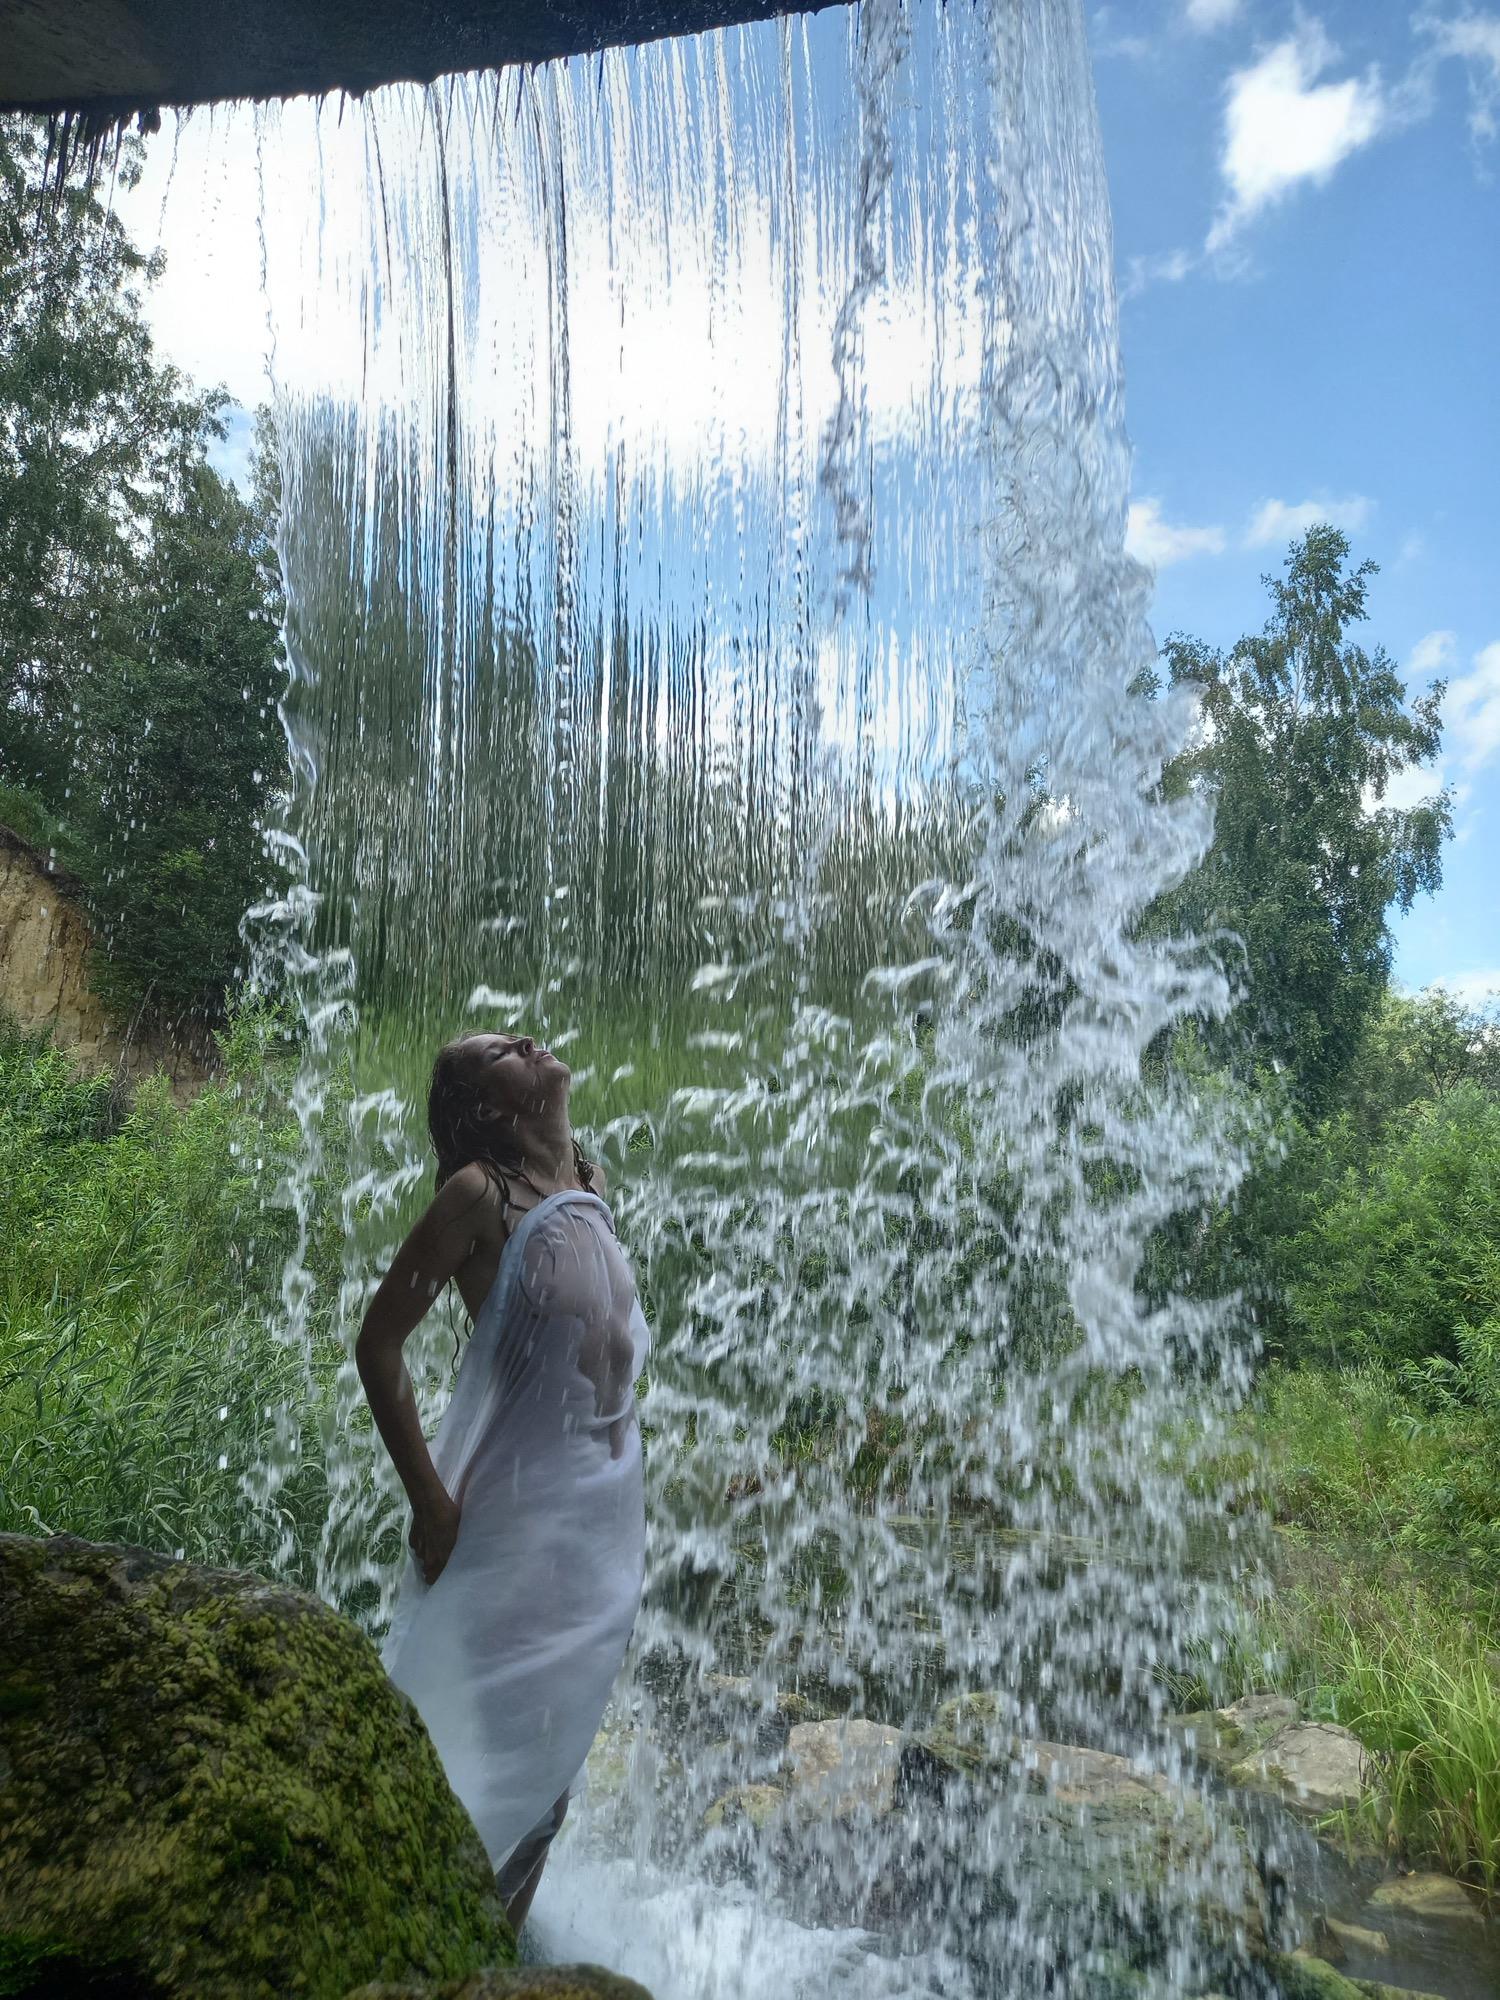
(1217, 1868)
(208, 1786)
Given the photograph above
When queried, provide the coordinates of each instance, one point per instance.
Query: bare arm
(440, 1244)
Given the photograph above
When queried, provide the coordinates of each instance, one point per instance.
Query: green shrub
(1400, 1262)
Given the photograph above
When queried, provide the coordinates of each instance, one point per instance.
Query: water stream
(713, 648)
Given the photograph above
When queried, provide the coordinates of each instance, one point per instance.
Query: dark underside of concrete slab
(105, 59)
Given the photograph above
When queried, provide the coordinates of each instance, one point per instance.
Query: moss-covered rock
(1302, 1977)
(208, 1785)
(524, 1982)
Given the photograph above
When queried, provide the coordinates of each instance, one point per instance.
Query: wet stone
(1436, 1899)
(1316, 1765)
(1341, 1937)
(754, 1806)
(1301, 1976)
(1260, 1714)
(730, 1707)
(845, 1767)
(1082, 1777)
(1207, 1736)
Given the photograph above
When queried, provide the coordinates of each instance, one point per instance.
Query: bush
(1400, 1263)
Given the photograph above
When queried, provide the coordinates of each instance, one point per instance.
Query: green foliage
(1417, 1049)
(1301, 728)
(139, 1279)
(186, 747)
(140, 663)
(1400, 1263)
(1361, 1458)
(94, 433)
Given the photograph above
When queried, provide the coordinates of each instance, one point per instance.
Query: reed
(1419, 1684)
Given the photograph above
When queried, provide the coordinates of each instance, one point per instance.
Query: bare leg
(521, 1876)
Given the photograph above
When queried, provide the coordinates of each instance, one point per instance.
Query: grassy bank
(1417, 1678)
(139, 1269)
(1387, 1487)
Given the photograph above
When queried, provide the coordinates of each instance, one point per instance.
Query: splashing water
(713, 647)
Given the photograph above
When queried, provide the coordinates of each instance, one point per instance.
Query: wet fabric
(510, 1656)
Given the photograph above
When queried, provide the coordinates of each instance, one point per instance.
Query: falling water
(713, 648)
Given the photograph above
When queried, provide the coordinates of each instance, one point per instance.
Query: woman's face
(514, 1076)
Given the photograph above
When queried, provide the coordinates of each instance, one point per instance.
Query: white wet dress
(510, 1656)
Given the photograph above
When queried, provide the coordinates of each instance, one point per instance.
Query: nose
(527, 1046)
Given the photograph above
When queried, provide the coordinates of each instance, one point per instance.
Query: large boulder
(208, 1785)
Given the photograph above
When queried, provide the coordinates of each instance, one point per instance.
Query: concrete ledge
(110, 59)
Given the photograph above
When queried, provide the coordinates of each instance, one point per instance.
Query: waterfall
(712, 647)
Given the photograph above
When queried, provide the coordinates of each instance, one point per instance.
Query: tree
(1302, 733)
(94, 434)
(186, 755)
(1418, 1048)
(140, 607)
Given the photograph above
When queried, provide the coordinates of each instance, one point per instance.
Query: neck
(548, 1148)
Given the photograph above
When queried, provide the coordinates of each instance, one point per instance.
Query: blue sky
(1307, 232)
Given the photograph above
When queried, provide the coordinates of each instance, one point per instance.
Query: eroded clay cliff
(45, 944)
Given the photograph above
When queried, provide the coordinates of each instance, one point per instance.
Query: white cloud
(1431, 654)
(1284, 520)
(1415, 785)
(1107, 40)
(1156, 542)
(1474, 39)
(1206, 15)
(1167, 267)
(1472, 989)
(1473, 709)
(1283, 127)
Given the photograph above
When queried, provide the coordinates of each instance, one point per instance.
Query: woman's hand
(434, 1530)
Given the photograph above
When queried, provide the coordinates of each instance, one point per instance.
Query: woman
(528, 1512)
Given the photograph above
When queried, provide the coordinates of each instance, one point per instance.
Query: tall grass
(1419, 1684)
(139, 1266)
(1388, 1485)
(1406, 1463)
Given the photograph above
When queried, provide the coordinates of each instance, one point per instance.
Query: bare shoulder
(468, 1202)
